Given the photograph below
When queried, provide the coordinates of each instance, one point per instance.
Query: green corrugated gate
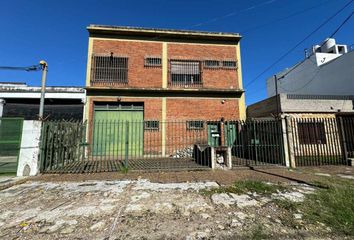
(118, 130)
(10, 142)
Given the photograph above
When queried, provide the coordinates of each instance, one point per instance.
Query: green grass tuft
(242, 187)
(333, 206)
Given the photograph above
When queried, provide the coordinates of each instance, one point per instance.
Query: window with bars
(195, 125)
(152, 125)
(311, 133)
(229, 64)
(184, 72)
(211, 63)
(152, 62)
(109, 69)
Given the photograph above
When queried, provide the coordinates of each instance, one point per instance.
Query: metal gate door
(10, 142)
(113, 128)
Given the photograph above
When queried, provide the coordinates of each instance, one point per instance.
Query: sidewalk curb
(12, 182)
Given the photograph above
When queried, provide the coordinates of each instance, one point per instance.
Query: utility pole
(276, 94)
(44, 66)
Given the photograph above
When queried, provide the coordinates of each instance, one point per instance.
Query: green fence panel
(10, 143)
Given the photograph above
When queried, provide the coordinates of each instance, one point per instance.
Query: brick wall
(212, 78)
(178, 111)
(138, 74)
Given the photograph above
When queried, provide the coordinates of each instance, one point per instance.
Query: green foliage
(258, 233)
(246, 186)
(333, 206)
(124, 169)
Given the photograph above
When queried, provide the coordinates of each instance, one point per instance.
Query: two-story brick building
(157, 76)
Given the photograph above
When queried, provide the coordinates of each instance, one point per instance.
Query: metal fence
(153, 145)
(105, 145)
(257, 142)
(317, 141)
(10, 142)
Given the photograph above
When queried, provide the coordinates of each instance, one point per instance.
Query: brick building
(158, 76)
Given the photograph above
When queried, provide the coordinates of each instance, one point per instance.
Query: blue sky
(56, 31)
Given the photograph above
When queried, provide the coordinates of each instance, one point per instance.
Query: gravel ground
(160, 205)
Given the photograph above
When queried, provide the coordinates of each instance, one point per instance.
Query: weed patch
(333, 206)
(243, 187)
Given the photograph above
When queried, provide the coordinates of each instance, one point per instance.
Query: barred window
(152, 62)
(185, 72)
(152, 125)
(211, 64)
(229, 64)
(110, 69)
(311, 133)
(195, 125)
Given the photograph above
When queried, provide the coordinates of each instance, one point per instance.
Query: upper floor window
(152, 62)
(184, 72)
(211, 63)
(229, 64)
(109, 69)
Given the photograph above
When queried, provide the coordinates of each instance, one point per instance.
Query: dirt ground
(160, 205)
(275, 174)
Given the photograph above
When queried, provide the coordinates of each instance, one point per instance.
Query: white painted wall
(29, 151)
(2, 102)
(320, 74)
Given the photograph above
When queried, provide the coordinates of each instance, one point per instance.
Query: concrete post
(44, 79)
(290, 143)
(285, 141)
(229, 158)
(213, 157)
(2, 102)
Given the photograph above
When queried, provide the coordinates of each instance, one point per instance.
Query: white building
(21, 100)
(328, 70)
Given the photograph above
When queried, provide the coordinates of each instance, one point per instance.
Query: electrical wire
(30, 68)
(298, 44)
(234, 13)
(284, 18)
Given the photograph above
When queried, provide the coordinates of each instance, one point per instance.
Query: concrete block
(28, 162)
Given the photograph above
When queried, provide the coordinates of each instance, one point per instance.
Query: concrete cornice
(162, 33)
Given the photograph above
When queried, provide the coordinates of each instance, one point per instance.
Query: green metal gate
(10, 143)
(118, 130)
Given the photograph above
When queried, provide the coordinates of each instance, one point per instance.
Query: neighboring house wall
(334, 77)
(292, 103)
(61, 103)
(327, 132)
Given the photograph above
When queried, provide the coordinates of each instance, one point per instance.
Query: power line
(296, 66)
(331, 36)
(234, 13)
(298, 44)
(30, 68)
(284, 18)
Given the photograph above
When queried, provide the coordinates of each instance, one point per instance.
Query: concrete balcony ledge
(162, 92)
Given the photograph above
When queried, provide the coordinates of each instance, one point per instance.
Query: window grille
(211, 64)
(185, 73)
(311, 133)
(152, 125)
(195, 125)
(229, 64)
(152, 62)
(109, 70)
